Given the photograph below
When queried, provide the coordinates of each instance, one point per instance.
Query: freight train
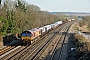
(30, 36)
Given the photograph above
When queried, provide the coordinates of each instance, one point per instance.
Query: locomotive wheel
(28, 43)
(24, 43)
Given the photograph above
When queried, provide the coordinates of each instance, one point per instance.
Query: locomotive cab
(31, 35)
(26, 36)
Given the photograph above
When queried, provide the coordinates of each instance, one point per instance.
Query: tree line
(17, 16)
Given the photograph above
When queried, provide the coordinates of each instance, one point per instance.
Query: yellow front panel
(26, 38)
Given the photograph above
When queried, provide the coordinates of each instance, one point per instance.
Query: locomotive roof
(33, 30)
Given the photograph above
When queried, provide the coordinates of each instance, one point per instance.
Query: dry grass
(84, 28)
(80, 38)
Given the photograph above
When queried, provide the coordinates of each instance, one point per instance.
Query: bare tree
(0, 4)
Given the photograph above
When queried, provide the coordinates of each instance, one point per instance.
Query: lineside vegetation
(17, 16)
(82, 46)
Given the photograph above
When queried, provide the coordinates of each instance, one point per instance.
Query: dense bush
(82, 47)
(87, 19)
(82, 23)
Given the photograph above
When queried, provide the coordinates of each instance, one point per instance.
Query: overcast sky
(62, 5)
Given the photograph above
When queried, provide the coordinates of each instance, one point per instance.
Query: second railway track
(48, 53)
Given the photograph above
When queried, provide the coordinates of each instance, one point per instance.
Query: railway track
(48, 53)
(6, 49)
(32, 51)
(9, 47)
(59, 49)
